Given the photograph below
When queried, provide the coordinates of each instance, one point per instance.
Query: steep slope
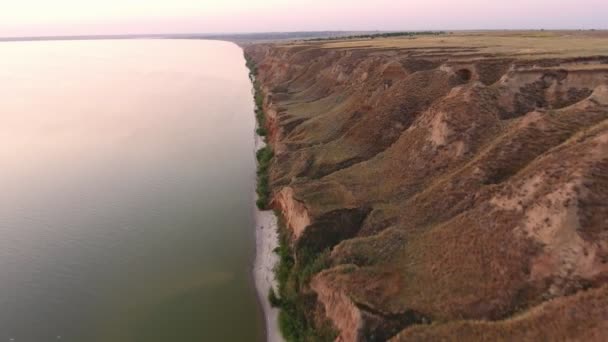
(441, 179)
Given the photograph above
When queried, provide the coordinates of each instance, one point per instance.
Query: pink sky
(72, 17)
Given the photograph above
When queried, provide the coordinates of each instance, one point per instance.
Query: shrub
(317, 264)
(275, 301)
(295, 318)
(259, 98)
(260, 118)
(253, 68)
(261, 131)
(264, 157)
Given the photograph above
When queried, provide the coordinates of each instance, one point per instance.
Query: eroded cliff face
(449, 183)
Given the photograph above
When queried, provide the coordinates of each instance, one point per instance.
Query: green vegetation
(296, 302)
(314, 264)
(259, 110)
(261, 119)
(274, 300)
(261, 131)
(257, 96)
(383, 35)
(253, 68)
(264, 157)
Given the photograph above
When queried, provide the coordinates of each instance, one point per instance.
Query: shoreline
(266, 240)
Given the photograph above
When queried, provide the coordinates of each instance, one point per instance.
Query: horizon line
(195, 35)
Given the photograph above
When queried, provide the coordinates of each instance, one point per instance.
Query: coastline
(266, 238)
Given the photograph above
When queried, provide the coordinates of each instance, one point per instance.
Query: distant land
(276, 37)
(235, 37)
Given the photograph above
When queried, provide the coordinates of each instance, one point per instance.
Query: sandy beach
(266, 237)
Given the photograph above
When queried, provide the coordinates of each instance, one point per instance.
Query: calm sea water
(126, 181)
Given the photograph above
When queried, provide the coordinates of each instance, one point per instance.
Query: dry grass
(436, 135)
(583, 317)
(522, 44)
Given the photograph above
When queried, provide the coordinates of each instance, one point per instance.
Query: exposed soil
(460, 184)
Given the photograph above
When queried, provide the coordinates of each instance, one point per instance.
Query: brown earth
(460, 181)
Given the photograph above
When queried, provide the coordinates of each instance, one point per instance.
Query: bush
(253, 68)
(260, 118)
(264, 157)
(261, 131)
(295, 319)
(275, 301)
(259, 98)
(317, 264)
(284, 267)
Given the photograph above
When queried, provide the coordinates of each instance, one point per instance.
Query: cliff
(455, 185)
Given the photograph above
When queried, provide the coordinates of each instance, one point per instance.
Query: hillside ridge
(452, 186)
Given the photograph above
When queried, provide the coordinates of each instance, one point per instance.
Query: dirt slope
(460, 182)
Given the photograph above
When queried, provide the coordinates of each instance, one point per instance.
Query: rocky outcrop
(449, 182)
(294, 211)
(358, 320)
(339, 308)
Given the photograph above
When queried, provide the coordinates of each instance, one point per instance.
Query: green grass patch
(297, 304)
(264, 157)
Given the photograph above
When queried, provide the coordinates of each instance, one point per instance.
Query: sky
(78, 17)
